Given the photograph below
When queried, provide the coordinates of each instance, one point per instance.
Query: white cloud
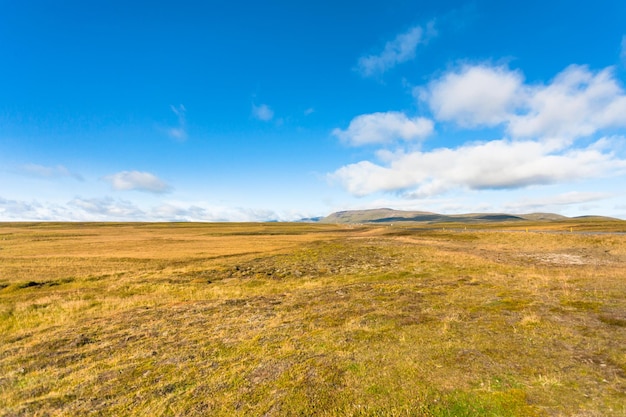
(106, 209)
(474, 95)
(547, 203)
(42, 171)
(175, 212)
(542, 125)
(309, 111)
(576, 103)
(179, 132)
(381, 128)
(110, 209)
(137, 180)
(181, 211)
(498, 164)
(18, 210)
(202, 211)
(262, 112)
(395, 52)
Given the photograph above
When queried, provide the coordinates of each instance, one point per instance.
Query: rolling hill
(387, 215)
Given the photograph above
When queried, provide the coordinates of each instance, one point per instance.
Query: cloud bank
(548, 134)
(498, 164)
(113, 209)
(106, 208)
(21, 210)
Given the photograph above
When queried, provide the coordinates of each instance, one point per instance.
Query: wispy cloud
(41, 171)
(309, 111)
(107, 208)
(262, 112)
(204, 212)
(138, 181)
(381, 128)
(547, 203)
(397, 51)
(179, 132)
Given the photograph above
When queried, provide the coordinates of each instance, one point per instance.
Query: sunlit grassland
(312, 319)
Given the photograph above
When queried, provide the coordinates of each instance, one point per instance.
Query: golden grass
(312, 319)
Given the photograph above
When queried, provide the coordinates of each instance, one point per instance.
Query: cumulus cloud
(381, 128)
(541, 126)
(498, 164)
(138, 181)
(578, 102)
(41, 171)
(179, 132)
(262, 112)
(395, 52)
(474, 95)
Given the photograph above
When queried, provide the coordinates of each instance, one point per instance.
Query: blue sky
(251, 111)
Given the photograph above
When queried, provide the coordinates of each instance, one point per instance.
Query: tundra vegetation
(282, 319)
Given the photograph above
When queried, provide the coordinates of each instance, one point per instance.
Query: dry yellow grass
(305, 319)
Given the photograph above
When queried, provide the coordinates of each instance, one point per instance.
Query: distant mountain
(592, 217)
(373, 215)
(387, 215)
(310, 219)
(544, 216)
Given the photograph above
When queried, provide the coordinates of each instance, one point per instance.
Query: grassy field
(309, 319)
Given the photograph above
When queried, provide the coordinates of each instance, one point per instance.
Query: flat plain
(279, 319)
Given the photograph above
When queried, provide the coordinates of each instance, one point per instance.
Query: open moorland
(277, 319)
